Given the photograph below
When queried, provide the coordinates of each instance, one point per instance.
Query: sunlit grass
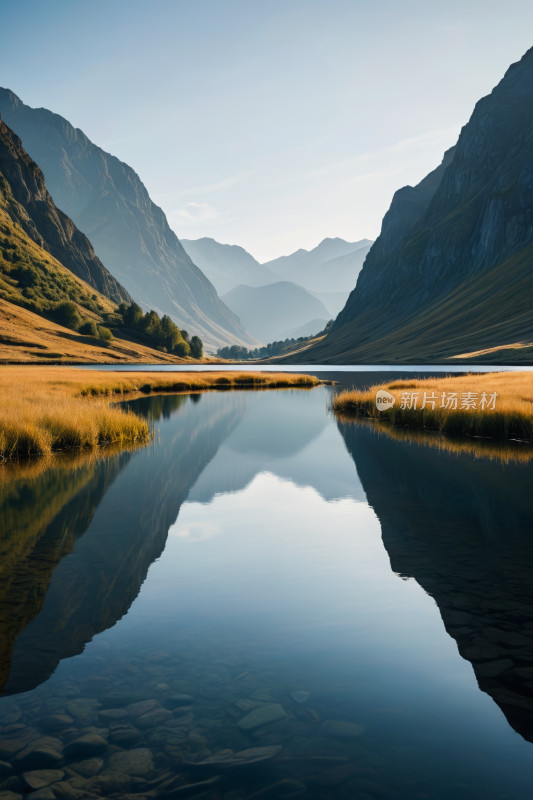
(511, 417)
(46, 410)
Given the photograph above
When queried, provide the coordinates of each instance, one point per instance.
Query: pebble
(90, 744)
(144, 707)
(56, 722)
(261, 716)
(39, 778)
(108, 714)
(177, 700)
(10, 796)
(156, 717)
(82, 707)
(88, 768)
(134, 762)
(39, 755)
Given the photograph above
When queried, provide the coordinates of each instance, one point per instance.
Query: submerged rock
(90, 744)
(261, 716)
(39, 778)
(300, 696)
(134, 762)
(88, 768)
(110, 714)
(341, 730)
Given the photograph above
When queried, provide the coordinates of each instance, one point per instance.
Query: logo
(384, 400)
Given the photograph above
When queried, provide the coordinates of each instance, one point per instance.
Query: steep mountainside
(26, 202)
(227, 265)
(325, 251)
(268, 311)
(459, 282)
(109, 203)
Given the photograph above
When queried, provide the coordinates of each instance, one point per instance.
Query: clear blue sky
(262, 123)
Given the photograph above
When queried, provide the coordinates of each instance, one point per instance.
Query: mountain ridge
(109, 203)
(459, 280)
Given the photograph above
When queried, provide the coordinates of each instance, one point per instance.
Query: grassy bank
(47, 409)
(472, 411)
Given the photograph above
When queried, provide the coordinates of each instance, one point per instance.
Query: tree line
(238, 353)
(161, 334)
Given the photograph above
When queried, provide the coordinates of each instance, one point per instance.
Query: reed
(45, 410)
(510, 418)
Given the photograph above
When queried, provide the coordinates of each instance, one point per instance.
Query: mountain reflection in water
(241, 555)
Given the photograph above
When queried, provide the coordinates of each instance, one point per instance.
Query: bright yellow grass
(512, 417)
(50, 409)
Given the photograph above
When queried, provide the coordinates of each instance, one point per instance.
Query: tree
(185, 336)
(197, 347)
(133, 315)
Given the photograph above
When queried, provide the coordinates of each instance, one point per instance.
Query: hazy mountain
(309, 329)
(267, 311)
(338, 274)
(325, 251)
(334, 301)
(450, 274)
(227, 265)
(27, 205)
(109, 203)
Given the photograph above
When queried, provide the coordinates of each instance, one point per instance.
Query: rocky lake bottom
(266, 603)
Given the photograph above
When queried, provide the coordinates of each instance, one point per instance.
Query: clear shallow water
(258, 548)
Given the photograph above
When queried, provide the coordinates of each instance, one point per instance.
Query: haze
(268, 125)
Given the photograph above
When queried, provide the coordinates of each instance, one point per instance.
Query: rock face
(109, 203)
(451, 272)
(472, 554)
(37, 214)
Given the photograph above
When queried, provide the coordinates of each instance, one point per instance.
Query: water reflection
(242, 553)
(462, 528)
(77, 544)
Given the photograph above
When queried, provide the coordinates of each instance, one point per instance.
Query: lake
(266, 602)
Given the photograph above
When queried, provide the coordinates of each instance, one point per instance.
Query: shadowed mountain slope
(460, 280)
(460, 526)
(26, 202)
(270, 310)
(227, 265)
(110, 204)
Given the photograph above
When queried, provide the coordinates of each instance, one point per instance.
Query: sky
(266, 124)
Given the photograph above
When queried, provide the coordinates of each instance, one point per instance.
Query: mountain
(227, 265)
(334, 301)
(107, 200)
(451, 274)
(337, 274)
(27, 205)
(309, 329)
(267, 311)
(325, 251)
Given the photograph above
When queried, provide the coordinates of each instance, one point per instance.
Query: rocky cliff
(36, 213)
(451, 273)
(109, 203)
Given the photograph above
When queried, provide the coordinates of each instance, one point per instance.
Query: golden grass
(512, 417)
(49, 409)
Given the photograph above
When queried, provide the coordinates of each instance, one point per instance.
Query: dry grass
(49, 409)
(512, 417)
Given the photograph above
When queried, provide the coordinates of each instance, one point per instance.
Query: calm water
(355, 610)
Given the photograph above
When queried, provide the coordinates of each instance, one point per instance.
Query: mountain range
(268, 312)
(227, 265)
(108, 202)
(450, 276)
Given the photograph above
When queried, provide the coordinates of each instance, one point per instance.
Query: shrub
(182, 349)
(105, 334)
(89, 328)
(66, 313)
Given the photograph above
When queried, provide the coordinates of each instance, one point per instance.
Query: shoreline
(46, 410)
